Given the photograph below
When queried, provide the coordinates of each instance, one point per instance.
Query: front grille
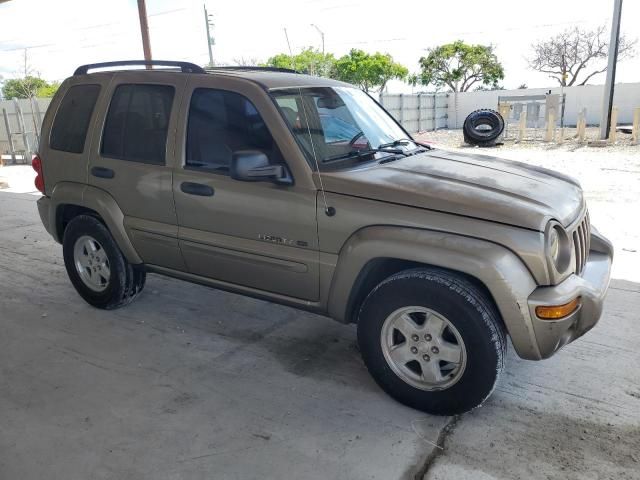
(582, 242)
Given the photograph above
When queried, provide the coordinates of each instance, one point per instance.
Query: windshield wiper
(397, 143)
(364, 153)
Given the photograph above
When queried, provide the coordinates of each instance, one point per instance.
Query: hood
(473, 185)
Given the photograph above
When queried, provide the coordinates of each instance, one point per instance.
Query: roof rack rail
(185, 67)
(249, 68)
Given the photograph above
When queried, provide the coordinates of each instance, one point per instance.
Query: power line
(80, 29)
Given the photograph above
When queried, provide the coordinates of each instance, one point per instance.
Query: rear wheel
(432, 340)
(96, 267)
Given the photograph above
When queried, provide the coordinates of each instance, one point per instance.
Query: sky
(62, 34)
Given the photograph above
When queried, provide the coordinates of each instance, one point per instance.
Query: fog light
(556, 312)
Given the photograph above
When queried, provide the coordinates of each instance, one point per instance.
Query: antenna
(329, 211)
(286, 35)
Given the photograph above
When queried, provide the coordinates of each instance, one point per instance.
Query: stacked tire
(483, 127)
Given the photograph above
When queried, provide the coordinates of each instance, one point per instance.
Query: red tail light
(36, 163)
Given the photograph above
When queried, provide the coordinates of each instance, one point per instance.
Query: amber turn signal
(556, 312)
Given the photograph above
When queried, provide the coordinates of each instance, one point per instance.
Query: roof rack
(252, 68)
(185, 67)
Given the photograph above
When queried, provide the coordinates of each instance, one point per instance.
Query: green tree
(368, 71)
(28, 87)
(309, 60)
(49, 90)
(460, 66)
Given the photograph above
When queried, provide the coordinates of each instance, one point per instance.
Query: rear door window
(137, 123)
(69, 130)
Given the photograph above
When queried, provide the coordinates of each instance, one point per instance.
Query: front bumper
(591, 286)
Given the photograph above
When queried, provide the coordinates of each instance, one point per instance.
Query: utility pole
(144, 30)
(607, 100)
(321, 35)
(209, 23)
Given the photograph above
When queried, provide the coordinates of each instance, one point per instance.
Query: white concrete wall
(626, 98)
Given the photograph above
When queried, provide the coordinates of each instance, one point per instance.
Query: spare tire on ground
(483, 127)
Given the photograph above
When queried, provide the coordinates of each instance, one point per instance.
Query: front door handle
(102, 172)
(196, 189)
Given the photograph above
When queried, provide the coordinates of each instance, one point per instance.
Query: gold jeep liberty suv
(304, 191)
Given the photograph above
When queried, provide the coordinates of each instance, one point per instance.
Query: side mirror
(253, 166)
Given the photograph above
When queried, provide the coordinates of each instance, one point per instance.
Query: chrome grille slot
(576, 246)
(582, 242)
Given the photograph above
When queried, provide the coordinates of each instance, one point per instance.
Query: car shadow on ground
(575, 415)
(303, 344)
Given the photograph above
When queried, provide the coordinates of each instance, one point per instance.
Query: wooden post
(37, 119)
(435, 112)
(635, 133)
(505, 109)
(582, 125)
(613, 133)
(9, 135)
(551, 126)
(522, 125)
(36, 126)
(23, 130)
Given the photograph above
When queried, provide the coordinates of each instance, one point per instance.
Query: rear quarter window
(70, 125)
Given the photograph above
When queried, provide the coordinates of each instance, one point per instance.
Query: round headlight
(558, 247)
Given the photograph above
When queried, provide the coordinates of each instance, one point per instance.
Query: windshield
(340, 126)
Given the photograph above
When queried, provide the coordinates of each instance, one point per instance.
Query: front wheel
(432, 340)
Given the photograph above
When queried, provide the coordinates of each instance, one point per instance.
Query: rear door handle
(102, 172)
(196, 189)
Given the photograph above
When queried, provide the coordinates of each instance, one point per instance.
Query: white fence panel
(418, 112)
(23, 118)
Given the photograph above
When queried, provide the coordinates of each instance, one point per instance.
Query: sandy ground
(193, 383)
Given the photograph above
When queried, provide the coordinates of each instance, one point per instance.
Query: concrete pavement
(185, 383)
(193, 383)
(575, 416)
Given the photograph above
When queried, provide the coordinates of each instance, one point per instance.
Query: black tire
(483, 127)
(471, 313)
(136, 279)
(139, 279)
(125, 281)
